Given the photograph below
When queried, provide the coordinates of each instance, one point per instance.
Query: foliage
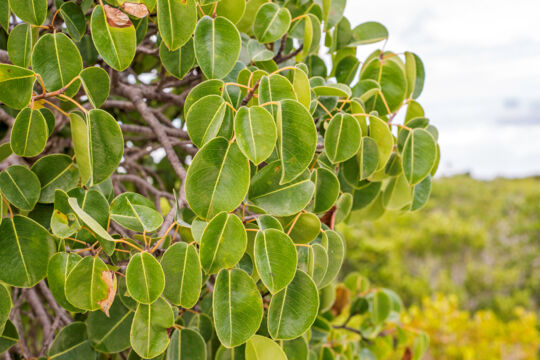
(475, 239)
(195, 217)
(456, 334)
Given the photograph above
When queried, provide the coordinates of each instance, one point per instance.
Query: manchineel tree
(173, 172)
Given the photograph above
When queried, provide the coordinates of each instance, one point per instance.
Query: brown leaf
(407, 355)
(341, 301)
(116, 18)
(110, 280)
(137, 10)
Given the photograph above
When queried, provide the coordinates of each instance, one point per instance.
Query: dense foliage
(173, 170)
(475, 239)
(457, 334)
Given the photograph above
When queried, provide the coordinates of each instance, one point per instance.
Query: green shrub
(175, 170)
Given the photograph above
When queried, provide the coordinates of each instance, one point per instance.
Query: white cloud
(478, 54)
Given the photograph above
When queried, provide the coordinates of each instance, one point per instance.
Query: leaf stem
(128, 243)
(57, 108)
(74, 102)
(324, 108)
(163, 237)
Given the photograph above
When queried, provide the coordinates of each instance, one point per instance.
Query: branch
(4, 57)
(137, 180)
(135, 94)
(39, 310)
(289, 56)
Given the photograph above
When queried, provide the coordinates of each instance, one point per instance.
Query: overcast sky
(482, 89)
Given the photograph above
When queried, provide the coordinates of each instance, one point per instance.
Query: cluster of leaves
(456, 334)
(475, 239)
(263, 152)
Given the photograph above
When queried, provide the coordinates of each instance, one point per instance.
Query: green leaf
(293, 310)
(89, 220)
(9, 336)
(106, 145)
(5, 306)
(29, 133)
(333, 12)
(144, 278)
(79, 135)
(258, 52)
(20, 187)
(16, 84)
(180, 61)
(390, 74)
(30, 11)
(207, 119)
(339, 90)
(303, 228)
(318, 264)
(302, 87)
(380, 132)
(223, 243)
(217, 46)
(176, 21)
(280, 200)
(4, 18)
(19, 45)
(5, 151)
(149, 328)
(231, 9)
(237, 307)
(297, 139)
(71, 343)
(110, 334)
(186, 344)
(74, 19)
(56, 171)
(368, 33)
(217, 179)
(48, 60)
(326, 189)
(263, 348)
(397, 194)
(346, 69)
(85, 284)
(336, 254)
(135, 212)
(246, 22)
(255, 132)
(419, 155)
(380, 307)
(415, 74)
(275, 88)
(421, 193)
(275, 259)
(60, 265)
(116, 45)
(296, 349)
(96, 84)
(183, 276)
(271, 23)
(208, 87)
(342, 138)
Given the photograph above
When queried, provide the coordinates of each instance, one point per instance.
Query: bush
(456, 334)
(475, 239)
(194, 217)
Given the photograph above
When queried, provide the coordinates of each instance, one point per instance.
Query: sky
(482, 89)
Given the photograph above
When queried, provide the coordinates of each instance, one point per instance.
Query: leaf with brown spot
(116, 18)
(110, 280)
(137, 10)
